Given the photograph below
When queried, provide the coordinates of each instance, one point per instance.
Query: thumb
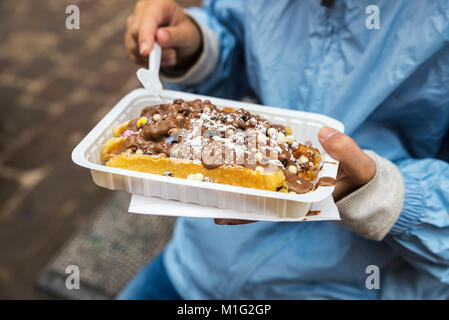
(182, 35)
(353, 160)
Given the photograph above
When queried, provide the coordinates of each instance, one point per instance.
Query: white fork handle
(150, 77)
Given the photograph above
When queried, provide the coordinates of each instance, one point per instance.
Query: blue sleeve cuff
(412, 209)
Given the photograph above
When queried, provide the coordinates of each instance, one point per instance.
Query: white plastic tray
(304, 126)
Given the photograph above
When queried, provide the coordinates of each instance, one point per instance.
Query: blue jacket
(390, 88)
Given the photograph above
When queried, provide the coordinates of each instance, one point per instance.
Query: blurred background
(55, 85)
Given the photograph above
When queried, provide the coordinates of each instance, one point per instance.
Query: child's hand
(174, 31)
(355, 168)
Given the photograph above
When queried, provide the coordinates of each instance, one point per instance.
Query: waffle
(199, 141)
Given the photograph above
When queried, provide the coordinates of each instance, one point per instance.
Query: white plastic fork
(150, 77)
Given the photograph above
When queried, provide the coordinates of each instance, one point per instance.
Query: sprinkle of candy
(127, 133)
(292, 169)
(141, 122)
(281, 138)
(271, 131)
(303, 160)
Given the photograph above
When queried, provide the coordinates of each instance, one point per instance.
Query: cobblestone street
(55, 84)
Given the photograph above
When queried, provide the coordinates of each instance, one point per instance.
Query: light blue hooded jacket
(390, 88)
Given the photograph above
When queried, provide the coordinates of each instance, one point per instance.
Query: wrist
(373, 208)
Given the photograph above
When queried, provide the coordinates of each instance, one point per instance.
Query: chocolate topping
(313, 213)
(198, 130)
(297, 184)
(325, 182)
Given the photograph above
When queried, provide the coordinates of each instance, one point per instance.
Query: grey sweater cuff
(206, 63)
(372, 210)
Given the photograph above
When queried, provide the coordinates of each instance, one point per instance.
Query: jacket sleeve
(421, 232)
(406, 205)
(222, 54)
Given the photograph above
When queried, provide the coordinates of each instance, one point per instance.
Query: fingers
(132, 32)
(156, 13)
(130, 44)
(164, 21)
(132, 49)
(133, 22)
(143, 23)
(146, 36)
(356, 163)
(230, 222)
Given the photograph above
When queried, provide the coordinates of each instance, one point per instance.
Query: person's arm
(406, 205)
(204, 65)
(371, 210)
(220, 69)
(421, 232)
(357, 171)
(165, 22)
(201, 51)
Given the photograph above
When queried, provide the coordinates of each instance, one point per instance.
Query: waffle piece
(197, 140)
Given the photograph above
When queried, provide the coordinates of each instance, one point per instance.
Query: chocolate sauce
(297, 184)
(325, 182)
(199, 130)
(313, 213)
